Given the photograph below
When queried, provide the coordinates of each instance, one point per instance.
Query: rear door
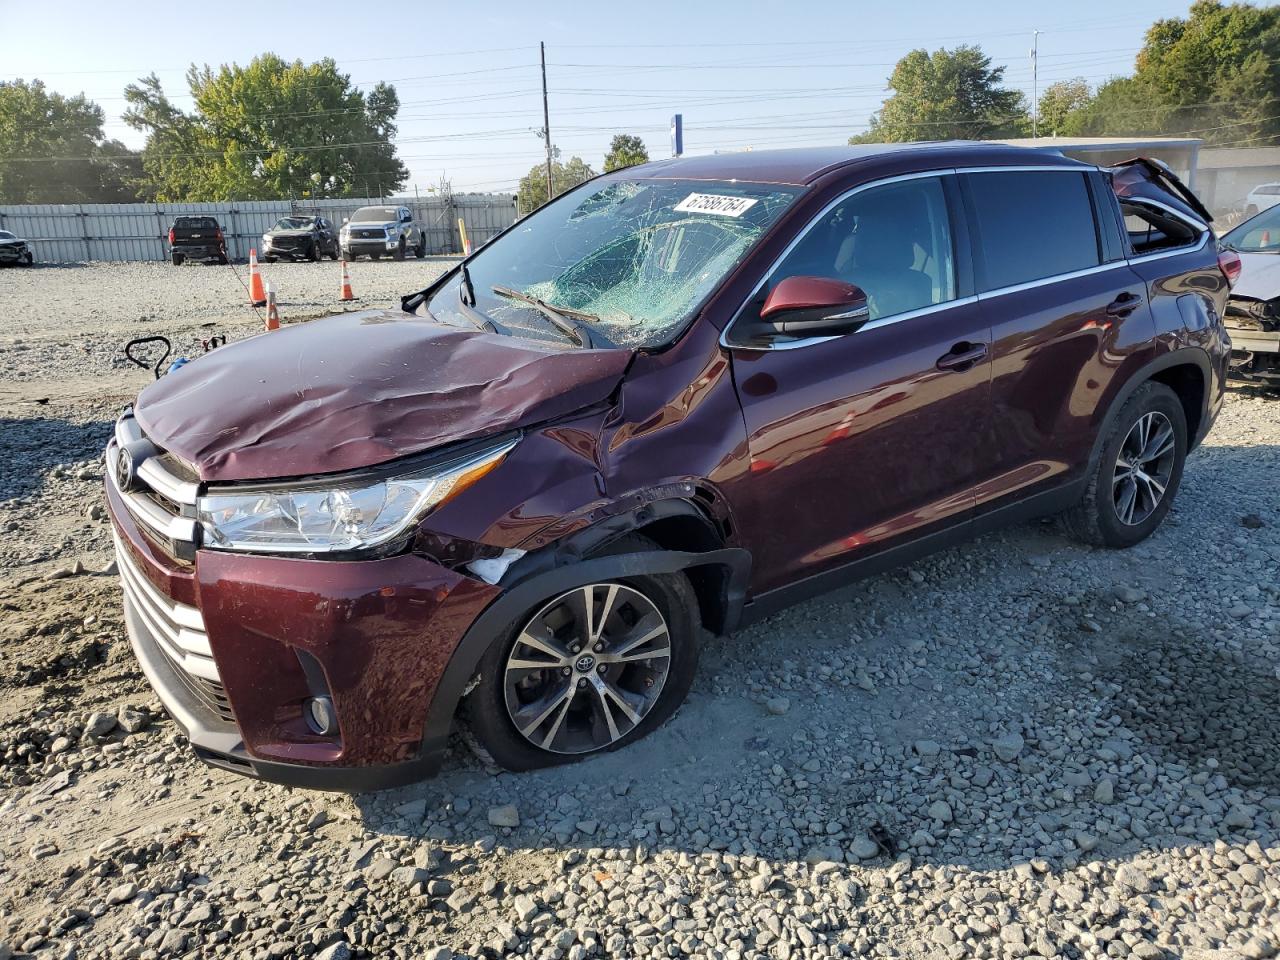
(862, 442)
(1069, 320)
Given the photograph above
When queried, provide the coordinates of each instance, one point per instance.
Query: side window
(1032, 225)
(1152, 230)
(893, 241)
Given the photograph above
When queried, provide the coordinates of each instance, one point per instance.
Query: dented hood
(360, 389)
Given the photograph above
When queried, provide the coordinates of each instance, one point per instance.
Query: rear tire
(583, 730)
(178, 259)
(1138, 471)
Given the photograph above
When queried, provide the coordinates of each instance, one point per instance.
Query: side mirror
(814, 307)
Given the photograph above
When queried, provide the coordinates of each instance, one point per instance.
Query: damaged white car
(1253, 312)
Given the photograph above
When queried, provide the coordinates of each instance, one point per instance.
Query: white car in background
(1262, 197)
(1253, 310)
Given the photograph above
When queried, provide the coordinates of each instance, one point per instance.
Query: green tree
(625, 151)
(52, 150)
(564, 176)
(946, 95)
(1213, 75)
(269, 130)
(1058, 101)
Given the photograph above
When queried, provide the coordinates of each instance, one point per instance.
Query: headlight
(338, 514)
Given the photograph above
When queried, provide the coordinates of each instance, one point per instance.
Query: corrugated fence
(65, 233)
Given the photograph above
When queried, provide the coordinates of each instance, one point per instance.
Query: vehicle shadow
(31, 446)
(1147, 724)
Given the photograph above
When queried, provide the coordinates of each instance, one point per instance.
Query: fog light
(320, 715)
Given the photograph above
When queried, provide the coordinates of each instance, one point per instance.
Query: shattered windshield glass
(293, 223)
(630, 258)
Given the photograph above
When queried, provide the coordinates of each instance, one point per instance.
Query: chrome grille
(163, 497)
(177, 630)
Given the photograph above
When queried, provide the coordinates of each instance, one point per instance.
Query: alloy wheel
(587, 668)
(1143, 468)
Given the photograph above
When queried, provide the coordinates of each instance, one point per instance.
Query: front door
(862, 442)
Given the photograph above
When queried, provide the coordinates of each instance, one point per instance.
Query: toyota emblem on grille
(126, 472)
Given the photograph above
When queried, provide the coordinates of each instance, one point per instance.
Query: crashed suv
(672, 401)
(1253, 312)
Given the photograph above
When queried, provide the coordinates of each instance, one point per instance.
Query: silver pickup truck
(382, 231)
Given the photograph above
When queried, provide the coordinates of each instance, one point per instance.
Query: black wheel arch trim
(531, 588)
(1175, 358)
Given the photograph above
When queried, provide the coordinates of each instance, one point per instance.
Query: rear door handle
(1124, 305)
(962, 356)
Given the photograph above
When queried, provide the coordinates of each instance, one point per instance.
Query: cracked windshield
(629, 260)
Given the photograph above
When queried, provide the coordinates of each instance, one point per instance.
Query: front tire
(313, 252)
(420, 250)
(1138, 471)
(587, 671)
(400, 250)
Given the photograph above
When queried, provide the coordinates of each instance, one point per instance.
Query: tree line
(269, 130)
(276, 129)
(1214, 75)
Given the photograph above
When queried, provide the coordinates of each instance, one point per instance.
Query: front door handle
(962, 356)
(1123, 305)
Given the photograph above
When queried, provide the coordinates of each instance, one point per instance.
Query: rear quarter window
(1031, 225)
(1153, 230)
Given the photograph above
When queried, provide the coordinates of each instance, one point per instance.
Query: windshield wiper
(467, 285)
(567, 321)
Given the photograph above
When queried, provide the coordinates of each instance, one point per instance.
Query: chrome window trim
(1055, 278)
(796, 344)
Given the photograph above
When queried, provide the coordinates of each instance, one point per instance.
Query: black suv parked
(296, 237)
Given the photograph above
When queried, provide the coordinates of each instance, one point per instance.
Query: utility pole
(1035, 87)
(546, 118)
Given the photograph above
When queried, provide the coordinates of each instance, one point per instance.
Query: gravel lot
(1020, 747)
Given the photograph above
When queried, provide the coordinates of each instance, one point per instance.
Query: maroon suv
(681, 396)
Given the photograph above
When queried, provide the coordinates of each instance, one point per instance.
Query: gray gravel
(1016, 748)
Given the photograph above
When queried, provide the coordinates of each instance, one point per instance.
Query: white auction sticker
(715, 203)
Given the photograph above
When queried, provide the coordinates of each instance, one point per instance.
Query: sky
(743, 74)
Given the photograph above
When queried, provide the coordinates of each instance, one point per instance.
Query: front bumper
(13, 254)
(234, 644)
(358, 247)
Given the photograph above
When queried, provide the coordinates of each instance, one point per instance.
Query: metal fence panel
(68, 233)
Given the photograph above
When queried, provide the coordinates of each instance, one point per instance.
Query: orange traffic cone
(346, 284)
(273, 312)
(257, 295)
(1266, 239)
